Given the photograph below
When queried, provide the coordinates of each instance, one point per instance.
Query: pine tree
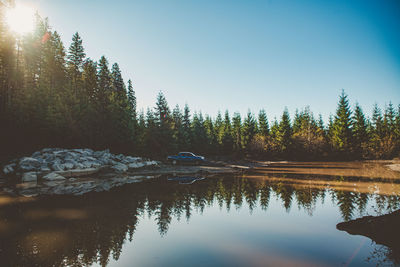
(341, 128)
(219, 127)
(132, 100)
(227, 139)
(377, 132)
(199, 137)
(89, 77)
(150, 135)
(210, 136)
(360, 134)
(164, 124)
(321, 123)
(389, 144)
(75, 59)
(397, 128)
(263, 123)
(177, 128)
(187, 132)
(104, 82)
(117, 81)
(296, 121)
(237, 132)
(284, 136)
(249, 130)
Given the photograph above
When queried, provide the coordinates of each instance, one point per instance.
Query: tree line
(51, 95)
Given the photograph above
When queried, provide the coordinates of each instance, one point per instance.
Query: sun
(21, 19)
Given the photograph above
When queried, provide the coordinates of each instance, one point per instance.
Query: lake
(283, 214)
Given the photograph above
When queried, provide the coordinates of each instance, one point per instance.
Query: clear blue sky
(235, 55)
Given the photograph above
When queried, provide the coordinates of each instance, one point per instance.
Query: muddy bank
(384, 230)
(394, 167)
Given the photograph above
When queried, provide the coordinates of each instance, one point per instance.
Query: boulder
(29, 164)
(53, 176)
(29, 177)
(136, 165)
(36, 154)
(57, 166)
(69, 165)
(10, 168)
(119, 167)
(44, 168)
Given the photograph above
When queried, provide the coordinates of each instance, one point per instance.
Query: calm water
(274, 217)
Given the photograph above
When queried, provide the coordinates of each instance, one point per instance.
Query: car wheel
(174, 162)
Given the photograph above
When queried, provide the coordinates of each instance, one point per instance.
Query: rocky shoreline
(55, 171)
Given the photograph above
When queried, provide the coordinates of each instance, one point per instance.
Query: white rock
(136, 165)
(36, 154)
(8, 169)
(29, 177)
(53, 183)
(119, 167)
(53, 176)
(29, 164)
(68, 165)
(44, 168)
(57, 166)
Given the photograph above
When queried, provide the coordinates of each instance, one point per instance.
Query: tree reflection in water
(75, 231)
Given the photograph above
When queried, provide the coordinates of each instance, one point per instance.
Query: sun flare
(21, 19)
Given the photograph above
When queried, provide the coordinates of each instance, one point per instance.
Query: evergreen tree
(104, 82)
(199, 137)
(75, 59)
(237, 132)
(360, 134)
(132, 100)
(227, 139)
(187, 132)
(219, 127)
(296, 121)
(341, 135)
(177, 128)
(210, 136)
(321, 123)
(249, 130)
(397, 128)
(377, 132)
(117, 81)
(164, 124)
(284, 135)
(263, 123)
(389, 132)
(89, 77)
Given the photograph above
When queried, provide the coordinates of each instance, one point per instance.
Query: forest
(56, 96)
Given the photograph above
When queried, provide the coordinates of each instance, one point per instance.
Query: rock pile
(60, 160)
(49, 169)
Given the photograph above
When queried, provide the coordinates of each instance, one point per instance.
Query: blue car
(185, 157)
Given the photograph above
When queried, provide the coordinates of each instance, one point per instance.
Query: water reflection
(76, 231)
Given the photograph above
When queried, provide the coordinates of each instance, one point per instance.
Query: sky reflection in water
(218, 221)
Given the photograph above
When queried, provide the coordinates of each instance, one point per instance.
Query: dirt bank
(383, 230)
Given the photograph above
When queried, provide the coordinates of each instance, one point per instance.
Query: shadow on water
(75, 231)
